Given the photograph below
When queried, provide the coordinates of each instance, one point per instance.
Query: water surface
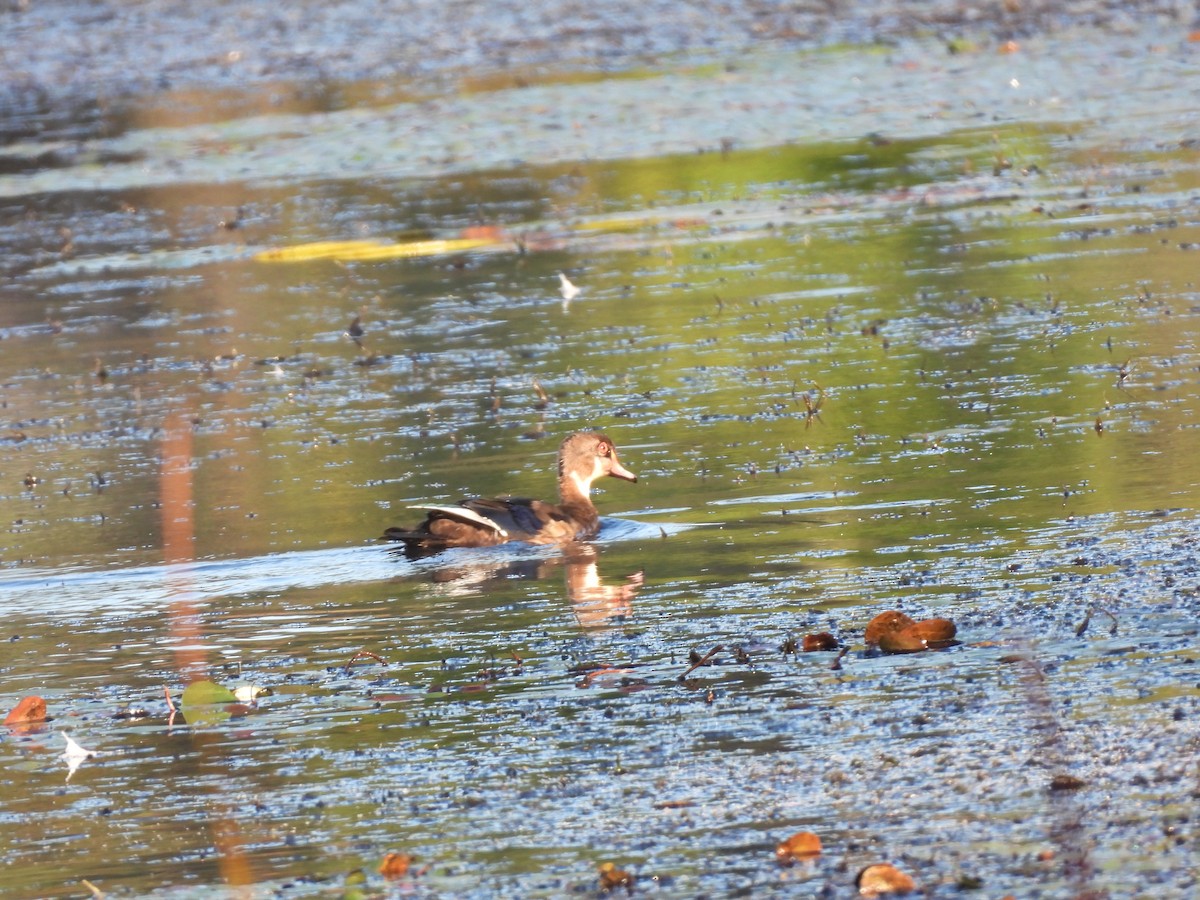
(876, 328)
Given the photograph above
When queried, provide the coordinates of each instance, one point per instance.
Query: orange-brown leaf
(918, 636)
(883, 878)
(395, 865)
(483, 233)
(801, 845)
(612, 878)
(821, 641)
(935, 630)
(906, 640)
(885, 623)
(29, 711)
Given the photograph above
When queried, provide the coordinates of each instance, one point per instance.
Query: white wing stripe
(465, 515)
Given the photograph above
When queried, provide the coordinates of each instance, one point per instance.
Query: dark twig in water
(1123, 374)
(355, 332)
(364, 654)
(812, 409)
(703, 661)
(1083, 626)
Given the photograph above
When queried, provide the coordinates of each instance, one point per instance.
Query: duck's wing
(487, 522)
(448, 526)
(517, 517)
(466, 514)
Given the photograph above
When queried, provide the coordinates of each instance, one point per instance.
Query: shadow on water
(913, 330)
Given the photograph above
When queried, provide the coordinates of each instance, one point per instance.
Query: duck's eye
(604, 449)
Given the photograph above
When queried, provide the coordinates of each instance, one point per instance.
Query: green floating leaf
(206, 693)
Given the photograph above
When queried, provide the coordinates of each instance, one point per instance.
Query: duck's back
(487, 522)
(536, 521)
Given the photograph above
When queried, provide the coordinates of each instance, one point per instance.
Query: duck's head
(586, 456)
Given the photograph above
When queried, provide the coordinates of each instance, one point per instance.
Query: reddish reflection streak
(178, 536)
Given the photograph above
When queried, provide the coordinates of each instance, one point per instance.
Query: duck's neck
(574, 492)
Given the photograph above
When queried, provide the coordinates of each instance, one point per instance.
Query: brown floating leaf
(1066, 783)
(821, 641)
(923, 635)
(935, 630)
(612, 878)
(29, 711)
(883, 878)
(903, 641)
(885, 623)
(801, 845)
(395, 865)
(674, 804)
(600, 675)
(492, 233)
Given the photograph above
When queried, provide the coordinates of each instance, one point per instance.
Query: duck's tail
(416, 543)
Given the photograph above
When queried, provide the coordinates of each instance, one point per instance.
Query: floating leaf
(903, 641)
(74, 754)
(924, 635)
(395, 865)
(885, 623)
(568, 290)
(821, 641)
(367, 249)
(612, 878)
(956, 46)
(935, 630)
(674, 804)
(493, 233)
(248, 693)
(206, 693)
(883, 878)
(1066, 783)
(801, 845)
(207, 703)
(30, 711)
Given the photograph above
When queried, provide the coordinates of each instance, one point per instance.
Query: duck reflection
(595, 603)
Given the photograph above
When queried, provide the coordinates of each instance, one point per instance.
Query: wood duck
(582, 458)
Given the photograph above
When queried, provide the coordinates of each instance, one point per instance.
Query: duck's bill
(619, 471)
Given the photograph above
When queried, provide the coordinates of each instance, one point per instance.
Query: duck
(583, 458)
